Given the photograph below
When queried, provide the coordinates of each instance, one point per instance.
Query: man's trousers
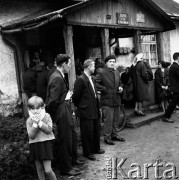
(111, 117)
(90, 136)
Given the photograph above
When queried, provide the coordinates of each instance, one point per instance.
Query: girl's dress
(41, 151)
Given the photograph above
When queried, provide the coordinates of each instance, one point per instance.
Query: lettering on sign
(108, 16)
(122, 18)
(140, 17)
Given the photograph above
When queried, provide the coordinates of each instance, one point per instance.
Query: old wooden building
(172, 9)
(90, 29)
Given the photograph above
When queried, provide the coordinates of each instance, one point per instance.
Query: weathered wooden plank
(166, 45)
(68, 37)
(137, 44)
(96, 14)
(163, 46)
(105, 42)
(159, 45)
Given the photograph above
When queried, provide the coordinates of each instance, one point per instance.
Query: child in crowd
(39, 129)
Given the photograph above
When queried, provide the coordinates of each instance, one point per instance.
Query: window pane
(149, 48)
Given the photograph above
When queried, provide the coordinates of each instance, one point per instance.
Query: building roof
(33, 23)
(36, 20)
(169, 6)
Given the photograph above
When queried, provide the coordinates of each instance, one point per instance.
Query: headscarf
(137, 58)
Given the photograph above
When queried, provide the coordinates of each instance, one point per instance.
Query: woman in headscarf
(141, 90)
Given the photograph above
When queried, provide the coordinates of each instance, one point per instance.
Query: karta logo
(115, 169)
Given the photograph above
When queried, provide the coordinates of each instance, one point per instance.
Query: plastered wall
(174, 40)
(8, 80)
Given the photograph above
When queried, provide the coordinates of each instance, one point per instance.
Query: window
(149, 49)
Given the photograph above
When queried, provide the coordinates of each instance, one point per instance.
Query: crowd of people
(49, 101)
(173, 88)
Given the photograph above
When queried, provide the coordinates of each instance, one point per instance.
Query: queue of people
(55, 107)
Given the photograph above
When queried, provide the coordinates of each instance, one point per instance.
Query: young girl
(161, 85)
(39, 128)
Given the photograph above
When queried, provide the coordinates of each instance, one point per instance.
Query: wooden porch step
(137, 121)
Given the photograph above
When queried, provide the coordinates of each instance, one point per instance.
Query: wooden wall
(96, 13)
(164, 46)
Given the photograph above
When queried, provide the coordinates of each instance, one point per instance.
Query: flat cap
(109, 57)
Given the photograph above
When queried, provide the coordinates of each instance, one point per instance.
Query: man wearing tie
(85, 99)
(57, 104)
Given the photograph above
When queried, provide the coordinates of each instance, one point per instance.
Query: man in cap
(108, 82)
(57, 104)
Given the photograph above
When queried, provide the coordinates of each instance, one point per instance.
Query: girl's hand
(36, 118)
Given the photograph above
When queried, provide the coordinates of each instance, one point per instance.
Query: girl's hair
(162, 63)
(35, 101)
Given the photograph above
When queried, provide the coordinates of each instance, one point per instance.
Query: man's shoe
(118, 139)
(108, 141)
(91, 157)
(101, 151)
(79, 162)
(71, 173)
(167, 120)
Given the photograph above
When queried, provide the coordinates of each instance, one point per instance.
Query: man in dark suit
(29, 81)
(57, 104)
(174, 85)
(42, 83)
(108, 82)
(51, 69)
(85, 99)
(29, 78)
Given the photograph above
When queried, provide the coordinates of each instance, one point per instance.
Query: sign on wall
(122, 18)
(140, 17)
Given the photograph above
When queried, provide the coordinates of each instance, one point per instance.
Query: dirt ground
(157, 142)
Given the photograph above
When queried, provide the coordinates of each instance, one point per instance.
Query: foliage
(14, 150)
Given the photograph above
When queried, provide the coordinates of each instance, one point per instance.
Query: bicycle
(122, 118)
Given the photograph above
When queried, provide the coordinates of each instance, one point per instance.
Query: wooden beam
(137, 44)
(105, 42)
(68, 37)
(159, 46)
